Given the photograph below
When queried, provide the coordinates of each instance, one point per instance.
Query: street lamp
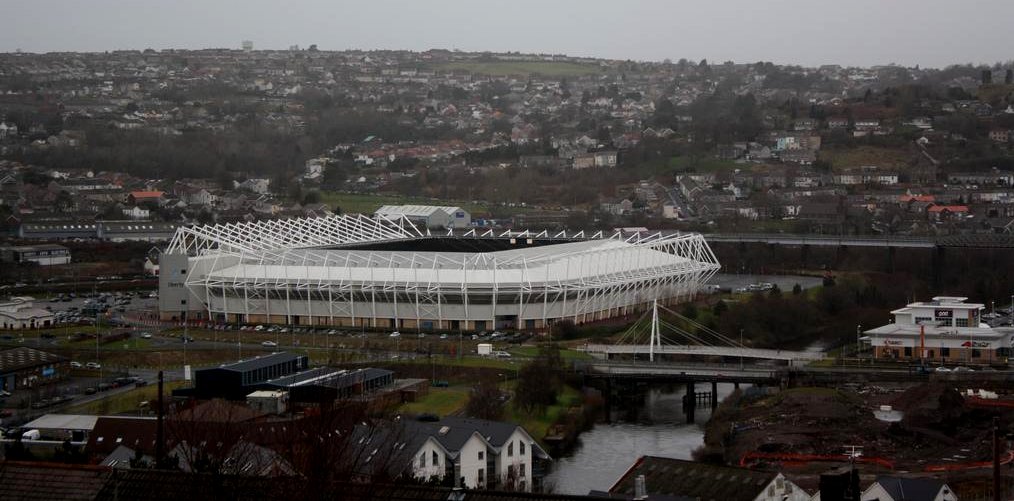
(859, 330)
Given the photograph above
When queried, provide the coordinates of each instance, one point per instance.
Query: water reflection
(650, 422)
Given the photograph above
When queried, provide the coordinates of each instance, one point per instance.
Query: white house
(260, 186)
(887, 488)
(136, 212)
(7, 130)
(478, 453)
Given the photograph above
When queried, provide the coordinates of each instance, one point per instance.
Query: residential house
(1000, 135)
(7, 130)
(891, 488)
(993, 177)
(480, 454)
(804, 124)
(947, 212)
(136, 212)
(584, 161)
(197, 196)
(258, 185)
(605, 158)
(837, 123)
(652, 477)
(156, 198)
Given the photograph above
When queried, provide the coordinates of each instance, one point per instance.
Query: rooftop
(261, 362)
(63, 422)
(677, 477)
(23, 357)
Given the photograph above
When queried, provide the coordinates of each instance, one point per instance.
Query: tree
(539, 382)
(797, 290)
(485, 401)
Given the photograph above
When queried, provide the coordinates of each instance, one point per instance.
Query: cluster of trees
(779, 319)
(540, 382)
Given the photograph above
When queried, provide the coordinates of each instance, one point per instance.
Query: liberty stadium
(385, 273)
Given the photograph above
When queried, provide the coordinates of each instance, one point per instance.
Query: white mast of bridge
(656, 332)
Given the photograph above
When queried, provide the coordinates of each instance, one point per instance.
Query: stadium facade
(360, 271)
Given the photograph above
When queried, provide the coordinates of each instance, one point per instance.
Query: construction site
(932, 428)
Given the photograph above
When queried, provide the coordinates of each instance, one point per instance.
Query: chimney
(639, 491)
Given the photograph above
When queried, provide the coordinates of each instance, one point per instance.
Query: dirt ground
(937, 429)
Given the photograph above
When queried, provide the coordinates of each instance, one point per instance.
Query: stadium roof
(273, 234)
(608, 259)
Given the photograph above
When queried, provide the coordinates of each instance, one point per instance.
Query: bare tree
(486, 401)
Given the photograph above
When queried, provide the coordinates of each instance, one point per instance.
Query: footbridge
(687, 340)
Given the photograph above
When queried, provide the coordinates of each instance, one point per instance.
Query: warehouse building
(24, 367)
(383, 273)
(326, 384)
(946, 329)
(237, 380)
(428, 216)
(42, 255)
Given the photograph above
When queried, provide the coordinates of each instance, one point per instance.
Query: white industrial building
(386, 273)
(428, 216)
(944, 330)
(42, 254)
(21, 313)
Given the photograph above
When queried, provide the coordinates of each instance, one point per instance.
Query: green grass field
(843, 158)
(367, 204)
(548, 68)
(702, 164)
(439, 401)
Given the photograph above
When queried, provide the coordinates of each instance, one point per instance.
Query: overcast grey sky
(808, 32)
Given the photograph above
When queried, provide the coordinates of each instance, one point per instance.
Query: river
(652, 425)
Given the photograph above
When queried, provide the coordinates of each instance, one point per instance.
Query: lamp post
(859, 330)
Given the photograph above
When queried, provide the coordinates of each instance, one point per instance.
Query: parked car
(395, 334)
(75, 365)
(942, 369)
(93, 365)
(145, 335)
(269, 344)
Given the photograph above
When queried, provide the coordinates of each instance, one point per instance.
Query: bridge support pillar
(690, 402)
(735, 385)
(804, 254)
(890, 259)
(714, 395)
